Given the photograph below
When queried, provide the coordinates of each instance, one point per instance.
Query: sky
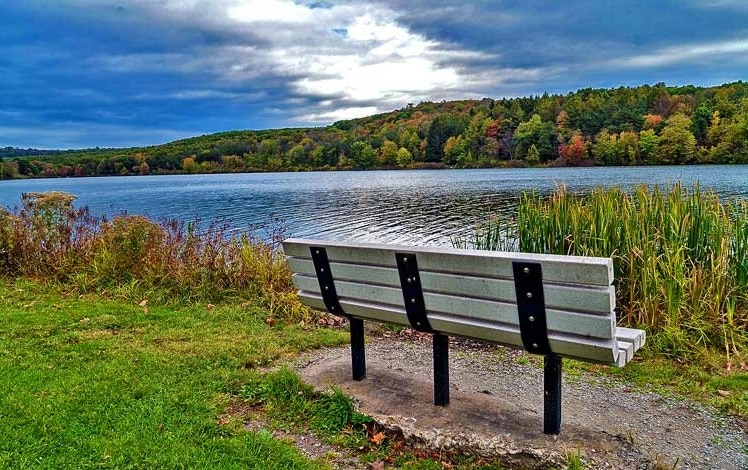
(120, 73)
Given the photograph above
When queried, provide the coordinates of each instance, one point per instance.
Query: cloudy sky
(84, 73)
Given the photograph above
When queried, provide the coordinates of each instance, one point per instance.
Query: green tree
(628, 147)
(442, 128)
(404, 158)
(533, 156)
(606, 150)
(362, 155)
(388, 153)
(648, 142)
(538, 133)
(700, 121)
(676, 144)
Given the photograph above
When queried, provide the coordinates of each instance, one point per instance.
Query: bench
(551, 305)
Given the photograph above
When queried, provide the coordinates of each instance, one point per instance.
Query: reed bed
(680, 257)
(131, 256)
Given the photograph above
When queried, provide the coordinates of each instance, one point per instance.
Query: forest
(644, 125)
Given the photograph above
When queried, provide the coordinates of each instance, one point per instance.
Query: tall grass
(132, 256)
(680, 256)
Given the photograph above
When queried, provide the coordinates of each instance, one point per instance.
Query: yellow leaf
(723, 393)
(143, 302)
(378, 438)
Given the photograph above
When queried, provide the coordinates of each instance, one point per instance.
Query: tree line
(645, 125)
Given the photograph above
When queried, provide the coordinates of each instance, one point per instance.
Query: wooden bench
(555, 306)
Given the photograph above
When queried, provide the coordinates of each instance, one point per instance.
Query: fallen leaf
(378, 438)
(143, 302)
(30, 304)
(210, 306)
(378, 465)
(723, 393)
(85, 320)
(270, 321)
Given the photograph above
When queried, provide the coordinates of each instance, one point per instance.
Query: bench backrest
(471, 293)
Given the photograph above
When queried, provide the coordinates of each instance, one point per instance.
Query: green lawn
(90, 382)
(95, 383)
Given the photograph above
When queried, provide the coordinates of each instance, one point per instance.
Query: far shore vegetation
(644, 125)
(129, 343)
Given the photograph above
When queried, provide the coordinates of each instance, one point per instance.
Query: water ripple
(406, 207)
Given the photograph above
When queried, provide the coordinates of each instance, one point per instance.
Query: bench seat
(471, 293)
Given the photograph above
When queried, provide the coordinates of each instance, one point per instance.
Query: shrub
(135, 257)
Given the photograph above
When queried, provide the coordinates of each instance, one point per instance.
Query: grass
(125, 341)
(91, 382)
(680, 258)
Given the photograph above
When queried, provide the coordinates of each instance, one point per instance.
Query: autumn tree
(387, 155)
(648, 142)
(575, 152)
(538, 133)
(677, 144)
(404, 158)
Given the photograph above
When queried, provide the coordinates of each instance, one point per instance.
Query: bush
(135, 257)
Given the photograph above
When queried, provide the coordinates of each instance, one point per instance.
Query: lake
(424, 207)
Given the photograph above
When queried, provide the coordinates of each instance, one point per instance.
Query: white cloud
(274, 11)
(351, 55)
(687, 53)
(339, 59)
(340, 113)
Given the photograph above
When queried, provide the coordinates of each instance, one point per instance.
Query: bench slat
(594, 326)
(625, 353)
(590, 349)
(631, 335)
(588, 299)
(556, 268)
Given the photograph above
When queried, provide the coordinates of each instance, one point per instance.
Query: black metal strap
(326, 282)
(528, 285)
(410, 283)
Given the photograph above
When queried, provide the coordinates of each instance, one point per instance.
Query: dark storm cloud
(80, 73)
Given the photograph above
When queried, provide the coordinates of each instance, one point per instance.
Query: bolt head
(531, 318)
(526, 270)
(529, 295)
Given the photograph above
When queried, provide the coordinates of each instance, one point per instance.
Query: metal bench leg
(552, 394)
(358, 353)
(441, 370)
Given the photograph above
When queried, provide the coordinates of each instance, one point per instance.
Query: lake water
(424, 207)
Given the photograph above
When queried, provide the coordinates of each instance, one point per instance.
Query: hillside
(623, 126)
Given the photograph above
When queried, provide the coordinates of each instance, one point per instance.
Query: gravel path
(496, 410)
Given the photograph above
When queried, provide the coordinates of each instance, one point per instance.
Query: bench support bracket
(358, 352)
(330, 297)
(441, 369)
(410, 283)
(552, 394)
(528, 286)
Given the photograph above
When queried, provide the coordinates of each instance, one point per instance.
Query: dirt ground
(496, 410)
